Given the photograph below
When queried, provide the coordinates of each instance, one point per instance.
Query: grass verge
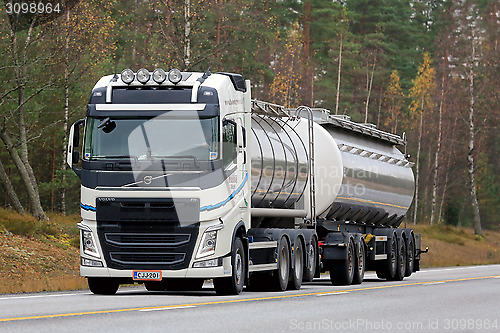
(45, 256)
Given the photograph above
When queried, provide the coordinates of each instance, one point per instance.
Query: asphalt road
(456, 299)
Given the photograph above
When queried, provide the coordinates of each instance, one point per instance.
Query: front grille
(145, 233)
(186, 211)
(134, 239)
(140, 258)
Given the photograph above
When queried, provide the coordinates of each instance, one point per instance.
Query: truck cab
(164, 180)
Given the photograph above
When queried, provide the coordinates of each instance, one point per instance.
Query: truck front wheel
(233, 285)
(103, 286)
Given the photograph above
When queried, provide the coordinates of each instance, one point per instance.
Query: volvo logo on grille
(106, 199)
(148, 180)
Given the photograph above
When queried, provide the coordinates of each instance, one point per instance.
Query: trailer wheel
(233, 285)
(312, 253)
(281, 275)
(401, 261)
(103, 286)
(298, 269)
(386, 269)
(342, 271)
(360, 266)
(410, 259)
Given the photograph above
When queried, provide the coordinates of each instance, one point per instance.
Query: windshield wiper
(175, 157)
(116, 157)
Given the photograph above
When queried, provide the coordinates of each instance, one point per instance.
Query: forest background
(424, 67)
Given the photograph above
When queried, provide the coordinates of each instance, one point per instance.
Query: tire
(103, 286)
(410, 257)
(342, 271)
(298, 266)
(312, 254)
(386, 269)
(360, 265)
(280, 276)
(233, 285)
(401, 261)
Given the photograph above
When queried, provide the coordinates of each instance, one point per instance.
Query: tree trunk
(219, 28)
(66, 117)
(476, 222)
(21, 160)
(187, 34)
(33, 195)
(338, 76)
(438, 151)
(134, 42)
(417, 163)
(369, 88)
(447, 170)
(381, 94)
(11, 193)
(307, 94)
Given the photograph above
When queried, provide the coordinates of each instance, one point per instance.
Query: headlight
(207, 245)
(143, 75)
(159, 75)
(127, 76)
(208, 241)
(89, 245)
(175, 76)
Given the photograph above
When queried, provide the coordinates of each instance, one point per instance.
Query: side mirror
(72, 157)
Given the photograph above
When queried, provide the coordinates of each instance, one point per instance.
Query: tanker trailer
(363, 187)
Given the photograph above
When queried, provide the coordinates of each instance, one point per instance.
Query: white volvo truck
(184, 178)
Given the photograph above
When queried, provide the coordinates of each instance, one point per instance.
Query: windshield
(152, 138)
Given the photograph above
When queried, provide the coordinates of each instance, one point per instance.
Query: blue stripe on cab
(87, 207)
(222, 203)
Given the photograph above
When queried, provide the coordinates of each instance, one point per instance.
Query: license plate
(147, 275)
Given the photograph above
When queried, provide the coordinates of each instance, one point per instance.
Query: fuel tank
(358, 178)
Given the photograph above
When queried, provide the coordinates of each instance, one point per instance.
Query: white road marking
(329, 294)
(433, 283)
(455, 268)
(39, 296)
(168, 308)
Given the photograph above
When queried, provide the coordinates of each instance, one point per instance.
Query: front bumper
(204, 273)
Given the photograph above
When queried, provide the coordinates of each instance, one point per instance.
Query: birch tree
(421, 103)
(22, 36)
